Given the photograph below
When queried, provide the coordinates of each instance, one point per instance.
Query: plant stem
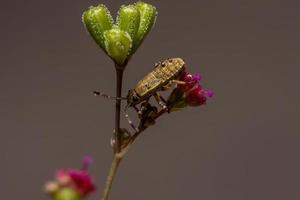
(118, 152)
(119, 73)
(119, 156)
(112, 172)
(117, 147)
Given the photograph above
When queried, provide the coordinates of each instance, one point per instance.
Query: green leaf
(148, 15)
(129, 20)
(97, 20)
(117, 44)
(66, 194)
(124, 136)
(176, 100)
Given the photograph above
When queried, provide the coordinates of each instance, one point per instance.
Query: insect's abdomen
(160, 76)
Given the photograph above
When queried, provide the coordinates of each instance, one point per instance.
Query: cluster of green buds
(120, 39)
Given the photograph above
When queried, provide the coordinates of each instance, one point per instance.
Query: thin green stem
(117, 136)
(119, 156)
(112, 172)
(119, 74)
(119, 152)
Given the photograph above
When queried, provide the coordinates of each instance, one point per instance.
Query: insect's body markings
(163, 75)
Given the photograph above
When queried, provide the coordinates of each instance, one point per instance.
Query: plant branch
(136, 134)
(120, 152)
(117, 136)
(119, 74)
(112, 172)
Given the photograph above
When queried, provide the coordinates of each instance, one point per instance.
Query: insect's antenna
(129, 120)
(97, 93)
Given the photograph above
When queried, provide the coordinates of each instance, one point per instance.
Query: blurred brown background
(243, 145)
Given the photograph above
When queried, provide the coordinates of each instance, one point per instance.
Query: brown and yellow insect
(164, 74)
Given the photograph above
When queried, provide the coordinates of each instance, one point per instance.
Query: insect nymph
(165, 74)
(161, 78)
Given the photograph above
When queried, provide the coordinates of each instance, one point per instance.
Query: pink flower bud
(210, 93)
(196, 97)
(78, 180)
(190, 93)
(191, 81)
(82, 181)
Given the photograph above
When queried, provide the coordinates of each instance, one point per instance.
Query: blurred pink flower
(77, 179)
(80, 180)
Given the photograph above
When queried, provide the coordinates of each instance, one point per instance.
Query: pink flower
(189, 94)
(195, 97)
(77, 179)
(198, 96)
(82, 181)
(191, 81)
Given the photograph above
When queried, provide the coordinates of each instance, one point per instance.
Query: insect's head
(132, 98)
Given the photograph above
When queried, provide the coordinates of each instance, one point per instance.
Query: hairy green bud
(97, 20)
(120, 40)
(129, 20)
(148, 15)
(117, 44)
(66, 194)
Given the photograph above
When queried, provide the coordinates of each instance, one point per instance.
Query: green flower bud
(176, 100)
(97, 20)
(148, 15)
(117, 44)
(129, 20)
(125, 137)
(66, 194)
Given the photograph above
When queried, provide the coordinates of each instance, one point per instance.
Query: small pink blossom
(191, 81)
(78, 179)
(196, 97)
(82, 181)
(190, 93)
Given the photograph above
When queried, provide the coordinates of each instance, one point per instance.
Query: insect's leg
(136, 109)
(163, 99)
(159, 101)
(167, 87)
(130, 121)
(142, 108)
(178, 82)
(139, 111)
(147, 118)
(171, 83)
(97, 93)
